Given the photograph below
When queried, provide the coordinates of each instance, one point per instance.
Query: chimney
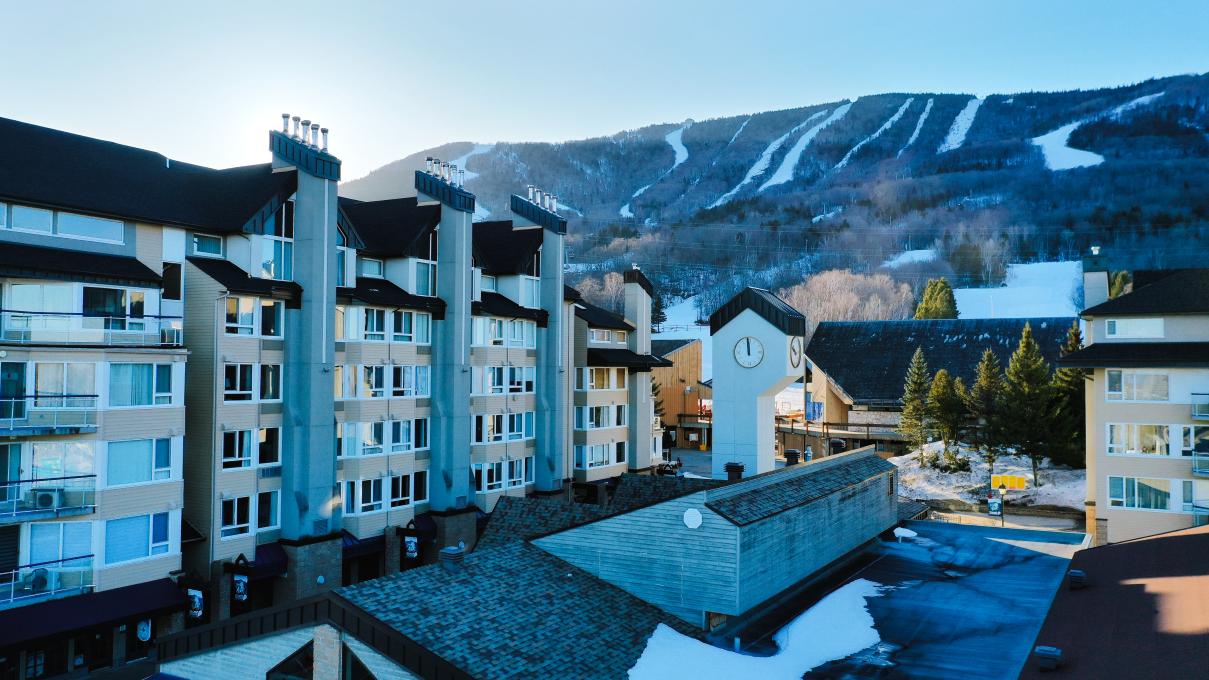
(305, 132)
(315, 135)
(295, 133)
(285, 123)
(538, 195)
(734, 472)
(453, 174)
(451, 558)
(324, 132)
(462, 178)
(554, 204)
(1095, 278)
(531, 193)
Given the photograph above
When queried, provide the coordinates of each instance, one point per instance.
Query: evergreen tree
(1068, 417)
(938, 301)
(914, 421)
(1118, 283)
(1029, 400)
(984, 402)
(658, 315)
(946, 412)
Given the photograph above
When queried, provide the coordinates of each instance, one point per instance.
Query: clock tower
(757, 343)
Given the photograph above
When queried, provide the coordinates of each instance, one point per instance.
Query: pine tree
(658, 315)
(1118, 284)
(938, 301)
(1068, 418)
(914, 421)
(1029, 401)
(985, 402)
(946, 412)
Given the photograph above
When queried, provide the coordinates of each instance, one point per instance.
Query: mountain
(853, 183)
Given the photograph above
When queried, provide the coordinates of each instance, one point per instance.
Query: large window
(277, 259)
(530, 292)
(426, 277)
(59, 385)
(237, 382)
(54, 541)
(522, 379)
(241, 316)
(372, 437)
(268, 510)
(140, 384)
(207, 245)
(593, 456)
(139, 460)
(372, 267)
(1139, 493)
(489, 476)
(409, 326)
(236, 516)
(272, 318)
(132, 538)
(1135, 386)
(268, 448)
(373, 382)
(375, 324)
(52, 459)
(65, 224)
(488, 428)
(400, 491)
(236, 449)
(270, 382)
(419, 486)
(362, 496)
(1134, 439)
(410, 381)
(1194, 439)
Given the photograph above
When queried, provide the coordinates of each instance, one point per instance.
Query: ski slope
(1060, 155)
(675, 139)
(1030, 290)
(910, 257)
(876, 133)
(761, 165)
(784, 173)
(477, 150)
(919, 125)
(961, 126)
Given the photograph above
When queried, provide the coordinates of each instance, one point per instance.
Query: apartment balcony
(1200, 406)
(22, 500)
(45, 328)
(1200, 513)
(41, 581)
(47, 414)
(1200, 464)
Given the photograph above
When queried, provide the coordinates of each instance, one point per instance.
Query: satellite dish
(692, 518)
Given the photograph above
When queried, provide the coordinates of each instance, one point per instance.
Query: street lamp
(1002, 504)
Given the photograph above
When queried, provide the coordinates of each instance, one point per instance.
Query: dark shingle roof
(636, 491)
(1139, 355)
(773, 309)
(383, 293)
(868, 359)
(570, 294)
(662, 348)
(761, 497)
(500, 249)
(521, 518)
(73, 265)
(599, 317)
(390, 228)
(515, 611)
(495, 304)
(625, 358)
(237, 280)
(1183, 291)
(55, 168)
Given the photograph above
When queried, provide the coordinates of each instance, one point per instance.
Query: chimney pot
(734, 471)
(530, 187)
(1095, 250)
(428, 164)
(451, 558)
(453, 174)
(538, 194)
(315, 135)
(304, 135)
(462, 177)
(285, 123)
(294, 134)
(554, 204)
(324, 132)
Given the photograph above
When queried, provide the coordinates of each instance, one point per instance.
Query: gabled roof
(19, 260)
(570, 294)
(1139, 355)
(58, 169)
(625, 358)
(662, 348)
(500, 249)
(599, 317)
(868, 360)
(390, 228)
(236, 280)
(773, 309)
(383, 293)
(1181, 291)
(495, 304)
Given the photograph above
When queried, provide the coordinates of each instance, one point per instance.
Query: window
(528, 469)
(375, 324)
(139, 460)
(521, 379)
(236, 449)
(516, 472)
(402, 326)
(1139, 493)
(489, 283)
(1134, 386)
(132, 538)
(371, 438)
(1134, 328)
(423, 328)
(516, 426)
(340, 384)
(372, 267)
(619, 413)
(422, 380)
(530, 292)
(339, 324)
(592, 456)
(410, 381)
(419, 489)
(344, 439)
(54, 541)
(73, 225)
(488, 428)
(1130, 439)
(489, 476)
(426, 278)
(207, 245)
(493, 380)
(52, 459)
(419, 430)
(272, 318)
(618, 336)
(277, 254)
(619, 378)
(362, 496)
(1195, 439)
(237, 382)
(619, 453)
(270, 382)
(26, 218)
(598, 335)
(598, 378)
(59, 385)
(343, 256)
(171, 288)
(400, 491)
(268, 446)
(529, 424)
(268, 511)
(235, 516)
(241, 316)
(598, 416)
(140, 384)
(400, 436)
(516, 333)
(373, 382)
(114, 309)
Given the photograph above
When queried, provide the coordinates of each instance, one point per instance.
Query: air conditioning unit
(48, 499)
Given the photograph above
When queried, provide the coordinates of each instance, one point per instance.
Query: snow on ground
(477, 150)
(919, 125)
(480, 211)
(1030, 290)
(1055, 146)
(961, 126)
(739, 131)
(675, 140)
(827, 215)
(564, 206)
(761, 165)
(838, 626)
(682, 323)
(784, 172)
(1060, 486)
(876, 133)
(910, 257)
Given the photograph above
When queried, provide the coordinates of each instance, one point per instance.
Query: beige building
(683, 395)
(1147, 402)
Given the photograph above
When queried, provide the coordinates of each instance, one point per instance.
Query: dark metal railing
(1200, 406)
(39, 581)
(47, 495)
(48, 410)
(72, 328)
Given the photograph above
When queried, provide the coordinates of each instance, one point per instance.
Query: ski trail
(477, 150)
(961, 126)
(918, 126)
(674, 140)
(876, 133)
(764, 160)
(1055, 145)
(739, 131)
(784, 173)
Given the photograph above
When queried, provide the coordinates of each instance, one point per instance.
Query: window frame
(240, 389)
(236, 528)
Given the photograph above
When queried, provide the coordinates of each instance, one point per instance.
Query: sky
(202, 82)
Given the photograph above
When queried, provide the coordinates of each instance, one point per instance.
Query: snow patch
(675, 140)
(739, 131)
(784, 172)
(839, 626)
(910, 257)
(919, 125)
(903, 532)
(1030, 290)
(876, 133)
(961, 126)
(1055, 146)
(1130, 105)
(1060, 486)
(477, 150)
(761, 165)
(564, 206)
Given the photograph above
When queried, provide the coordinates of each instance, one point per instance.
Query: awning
(270, 562)
(17, 260)
(383, 293)
(624, 357)
(236, 280)
(360, 547)
(426, 526)
(59, 617)
(1139, 355)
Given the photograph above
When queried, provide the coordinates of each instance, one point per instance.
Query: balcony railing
(23, 499)
(48, 413)
(1200, 406)
(56, 328)
(40, 581)
(1200, 463)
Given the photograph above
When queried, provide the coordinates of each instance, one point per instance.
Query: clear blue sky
(203, 81)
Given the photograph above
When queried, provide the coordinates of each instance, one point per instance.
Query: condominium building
(1147, 352)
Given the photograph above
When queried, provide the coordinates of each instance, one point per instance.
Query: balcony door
(10, 474)
(12, 390)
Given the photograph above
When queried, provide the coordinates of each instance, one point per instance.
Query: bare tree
(838, 295)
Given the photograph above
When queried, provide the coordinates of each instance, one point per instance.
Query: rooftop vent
(451, 558)
(734, 471)
(1048, 658)
(1078, 579)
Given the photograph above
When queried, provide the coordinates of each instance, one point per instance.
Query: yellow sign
(1013, 482)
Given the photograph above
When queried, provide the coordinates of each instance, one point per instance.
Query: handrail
(32, 312)
(34, 327)
(1200, 405)
(20, 583)
(48, 411)
(71, 492)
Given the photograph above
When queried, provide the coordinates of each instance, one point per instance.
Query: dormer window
(372, 267)
(277, 259)
(207, 245)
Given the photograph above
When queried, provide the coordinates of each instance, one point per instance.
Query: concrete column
(637, 292)
(553, 363)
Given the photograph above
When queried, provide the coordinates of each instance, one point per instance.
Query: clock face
(749, 352)
(795, 352)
